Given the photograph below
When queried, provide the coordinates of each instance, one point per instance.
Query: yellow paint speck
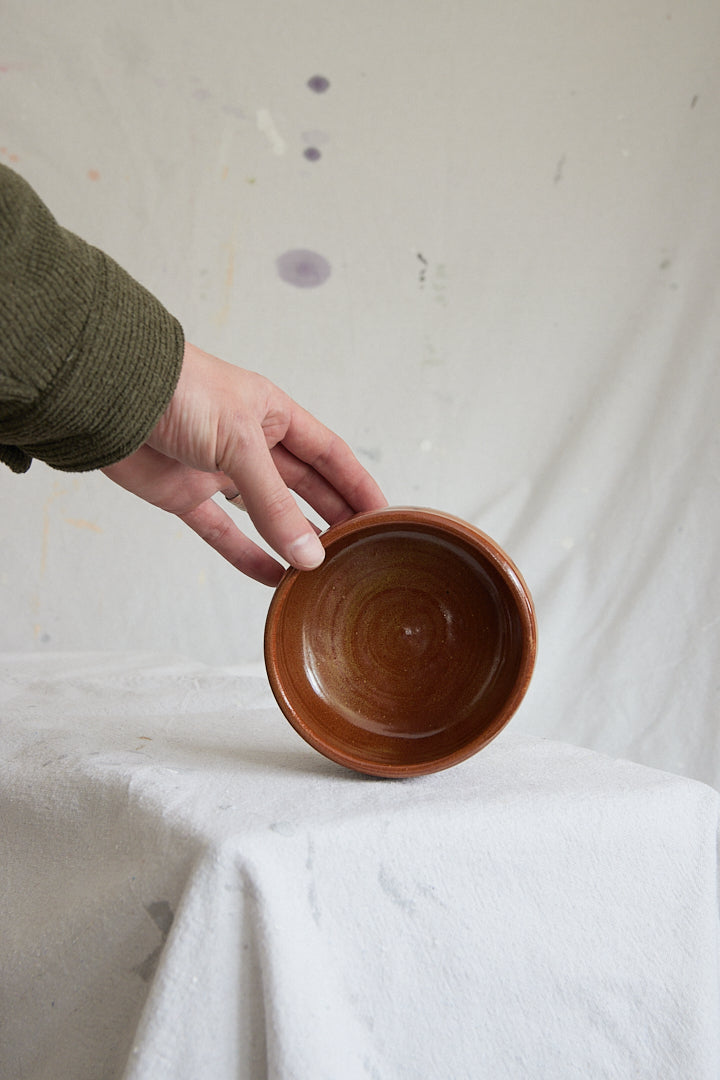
(80, 523)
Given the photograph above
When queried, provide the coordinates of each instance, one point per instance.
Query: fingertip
(369, 496)
(272, 579)
(306, 553)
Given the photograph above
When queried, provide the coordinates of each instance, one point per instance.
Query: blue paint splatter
(319, 84)
(302, 268)
(312, 153)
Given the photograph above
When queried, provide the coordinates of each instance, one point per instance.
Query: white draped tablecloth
(189, 892)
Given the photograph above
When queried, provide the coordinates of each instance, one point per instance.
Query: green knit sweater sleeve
(88, 358)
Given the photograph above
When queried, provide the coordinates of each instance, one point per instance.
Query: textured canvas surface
(511, 309)
(191, 892)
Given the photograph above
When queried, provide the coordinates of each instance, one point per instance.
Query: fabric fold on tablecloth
(191, 893)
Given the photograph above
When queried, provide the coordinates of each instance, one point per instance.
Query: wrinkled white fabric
(189, 892)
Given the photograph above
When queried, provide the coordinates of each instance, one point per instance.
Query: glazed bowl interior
(408, 649)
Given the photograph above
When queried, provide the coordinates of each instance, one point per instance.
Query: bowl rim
(393, 516)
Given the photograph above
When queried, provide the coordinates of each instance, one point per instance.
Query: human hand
(232, 431)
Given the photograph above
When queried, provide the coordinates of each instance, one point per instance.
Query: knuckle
(234, 440)
(278, 505)
(214, 532)
(302, 480)
(330, 450)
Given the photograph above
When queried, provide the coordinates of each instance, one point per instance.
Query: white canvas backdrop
(519, 207)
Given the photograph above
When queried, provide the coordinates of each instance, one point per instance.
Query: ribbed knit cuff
(109, 394)
(12, 456)
(89, 359)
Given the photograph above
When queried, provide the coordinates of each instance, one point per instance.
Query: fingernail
(306, 552)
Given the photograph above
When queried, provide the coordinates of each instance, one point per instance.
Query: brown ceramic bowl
(408, 650)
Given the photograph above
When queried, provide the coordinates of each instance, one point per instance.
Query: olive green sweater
(88, 358)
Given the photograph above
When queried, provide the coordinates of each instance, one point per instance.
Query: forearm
(88, 358)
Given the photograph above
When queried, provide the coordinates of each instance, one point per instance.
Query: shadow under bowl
(408, 650)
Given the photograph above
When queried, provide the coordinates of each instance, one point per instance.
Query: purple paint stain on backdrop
(312, 153)
(319, 84)
(305, 269)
